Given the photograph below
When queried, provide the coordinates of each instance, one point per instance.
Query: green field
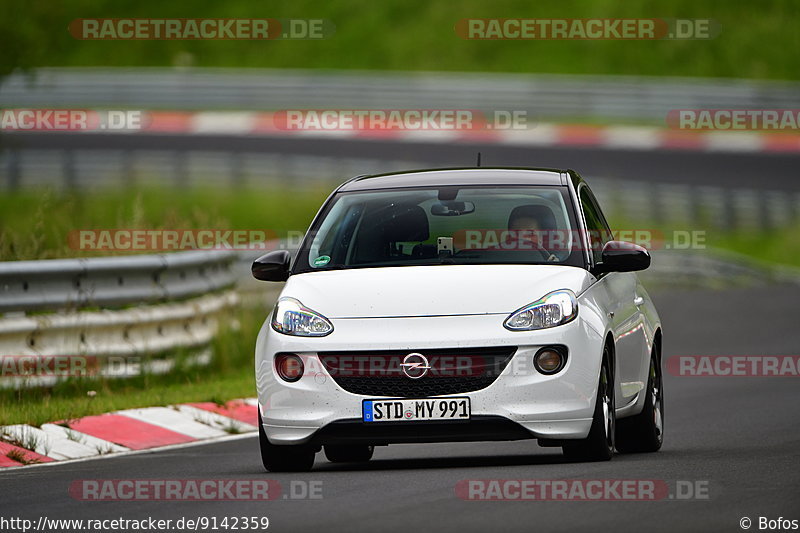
(757, 39)
(35, 224)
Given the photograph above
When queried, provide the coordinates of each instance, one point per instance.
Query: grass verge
(36, 223)
(773, 247)
(779, 246)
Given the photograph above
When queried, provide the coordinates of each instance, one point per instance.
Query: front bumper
(520, 403)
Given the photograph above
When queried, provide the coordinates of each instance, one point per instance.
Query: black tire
(599, 445)
(284, 458)
(644, 433)
(359, 453)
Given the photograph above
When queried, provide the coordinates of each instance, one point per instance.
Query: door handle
(638, 300)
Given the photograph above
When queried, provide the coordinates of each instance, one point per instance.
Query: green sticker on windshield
(322, 260)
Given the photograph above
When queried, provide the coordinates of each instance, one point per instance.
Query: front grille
(453, 371)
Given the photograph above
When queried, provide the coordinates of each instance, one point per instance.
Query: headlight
(291, 318)
(554, 309)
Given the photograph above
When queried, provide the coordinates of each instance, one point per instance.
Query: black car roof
(458, 177)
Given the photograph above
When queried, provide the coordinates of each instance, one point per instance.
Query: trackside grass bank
(37, 223)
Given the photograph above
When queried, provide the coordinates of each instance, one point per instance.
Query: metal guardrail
(542, 95)
(109, 282)
(117, 340)
(150, 304)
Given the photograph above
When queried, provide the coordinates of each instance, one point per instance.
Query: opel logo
(415, 365)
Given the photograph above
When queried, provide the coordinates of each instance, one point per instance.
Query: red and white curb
(124, 431)
(542, 134)
(574, 135)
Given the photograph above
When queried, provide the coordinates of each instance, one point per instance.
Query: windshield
(431, 226)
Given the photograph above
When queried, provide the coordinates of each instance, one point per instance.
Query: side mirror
(273, 266)
(620, 256)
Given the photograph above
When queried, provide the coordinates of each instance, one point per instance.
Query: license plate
(417, 409)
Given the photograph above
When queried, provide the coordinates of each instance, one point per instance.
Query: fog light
(550, 359)
(289, 366)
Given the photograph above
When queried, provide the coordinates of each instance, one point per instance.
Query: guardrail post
(792, 202)
(13, 170)
(236, 169)
(764, 218)
(656, 205)
(68, 168)
(180, 172)
(128, 171)
(729, 211)
(695, 206)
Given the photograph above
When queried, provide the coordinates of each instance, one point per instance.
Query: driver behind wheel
(533, 223)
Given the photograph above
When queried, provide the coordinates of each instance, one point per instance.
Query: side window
(599, 232)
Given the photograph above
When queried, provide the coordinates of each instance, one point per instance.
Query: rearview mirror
(620, 256)
(273, 266)
(451, 208)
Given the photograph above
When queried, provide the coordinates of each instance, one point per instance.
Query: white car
(458, 305)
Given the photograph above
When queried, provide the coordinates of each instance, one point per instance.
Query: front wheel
(644, 432)
(599, 445)
(290, 458)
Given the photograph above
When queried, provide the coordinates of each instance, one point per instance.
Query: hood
(430, 290)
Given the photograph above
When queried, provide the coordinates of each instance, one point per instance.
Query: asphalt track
(739, 436)
(778, 171)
